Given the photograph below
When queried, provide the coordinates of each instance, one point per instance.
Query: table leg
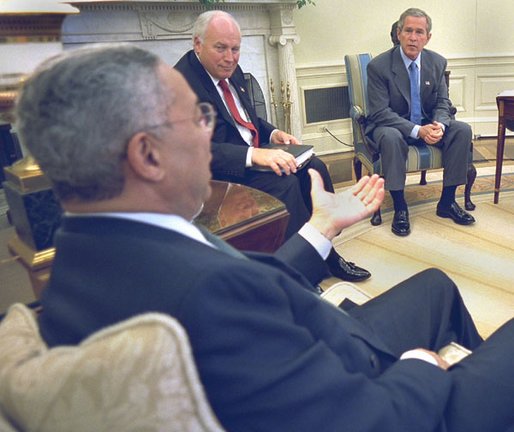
(499, 159)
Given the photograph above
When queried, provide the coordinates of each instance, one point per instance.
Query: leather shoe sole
(401, 224)
(456, 213)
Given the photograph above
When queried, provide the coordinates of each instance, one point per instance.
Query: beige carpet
(479, 258)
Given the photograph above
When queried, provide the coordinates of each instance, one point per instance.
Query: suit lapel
(215, 97)
(211, 90)
(244, 97)
(426, 77)
(401, 78)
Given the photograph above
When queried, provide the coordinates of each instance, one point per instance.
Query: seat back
(356, 71)
(356, 65)
(135, 375)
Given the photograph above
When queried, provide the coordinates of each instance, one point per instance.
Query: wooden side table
(505, 102)
(246, 218)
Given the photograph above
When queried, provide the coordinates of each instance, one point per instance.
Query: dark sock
(447, 196)
(398, 200)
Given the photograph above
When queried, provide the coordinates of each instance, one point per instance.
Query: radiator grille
(331, 103)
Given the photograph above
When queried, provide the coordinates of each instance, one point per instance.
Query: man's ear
(144, 157)
(196, 44)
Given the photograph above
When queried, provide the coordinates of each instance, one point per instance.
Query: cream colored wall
(474, 35)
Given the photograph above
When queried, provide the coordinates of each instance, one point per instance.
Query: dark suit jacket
(228, 147)
(389, 91)
(271, 355)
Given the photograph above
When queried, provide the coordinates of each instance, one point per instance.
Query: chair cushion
(133, 376)
(422, 157)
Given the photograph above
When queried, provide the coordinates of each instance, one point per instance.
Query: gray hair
(78, 111)
(418, 13)
(205, 18)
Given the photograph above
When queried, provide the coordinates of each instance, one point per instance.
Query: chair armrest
(357, 113)
(358, 116)
(342, 290)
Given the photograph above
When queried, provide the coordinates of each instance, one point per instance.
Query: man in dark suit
(271, 354)
(235, 148)
(408, 104)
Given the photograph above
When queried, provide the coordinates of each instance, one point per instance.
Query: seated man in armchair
(112, 124)
(237, 137)
(408, 103)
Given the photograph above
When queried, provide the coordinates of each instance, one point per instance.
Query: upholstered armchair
(133, 376)
(420, 158)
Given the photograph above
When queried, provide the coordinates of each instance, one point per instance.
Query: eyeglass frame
(207, 118)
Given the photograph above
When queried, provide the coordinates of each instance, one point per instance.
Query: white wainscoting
(316, 77)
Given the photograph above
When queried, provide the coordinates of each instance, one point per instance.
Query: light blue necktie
(221, 244)
(415, 100)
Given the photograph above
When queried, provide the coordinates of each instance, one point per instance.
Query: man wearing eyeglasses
(212, 71)
(126, 145)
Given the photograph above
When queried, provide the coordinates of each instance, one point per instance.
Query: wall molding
(474, 84)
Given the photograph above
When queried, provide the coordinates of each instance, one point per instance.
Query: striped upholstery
(357, 84)
(420, 157)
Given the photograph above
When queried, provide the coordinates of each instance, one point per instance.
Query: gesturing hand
(334, 212)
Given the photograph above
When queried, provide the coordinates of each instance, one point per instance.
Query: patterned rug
(416, 194)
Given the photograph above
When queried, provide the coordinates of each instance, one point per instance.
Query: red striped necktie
(229, 99)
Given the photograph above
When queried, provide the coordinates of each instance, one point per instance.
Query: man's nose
(229, 55)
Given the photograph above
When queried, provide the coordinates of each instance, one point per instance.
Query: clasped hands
(281, 162)
(431, 133)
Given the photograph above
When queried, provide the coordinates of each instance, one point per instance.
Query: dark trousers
(427, 311)
(394, 148)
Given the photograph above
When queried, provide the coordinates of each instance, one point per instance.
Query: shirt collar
(407, 61)
(214, 80)
(166, 221)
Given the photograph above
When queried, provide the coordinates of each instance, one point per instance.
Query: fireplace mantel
(165, 27)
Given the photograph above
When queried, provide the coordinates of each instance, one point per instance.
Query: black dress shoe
(401, 224)
(345, 270)
(455, 212)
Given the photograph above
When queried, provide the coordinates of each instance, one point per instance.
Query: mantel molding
(31, 28)
(80, 3)
(20, 25)
(178, 5)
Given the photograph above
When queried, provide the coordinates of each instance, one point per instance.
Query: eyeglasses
(205, 117)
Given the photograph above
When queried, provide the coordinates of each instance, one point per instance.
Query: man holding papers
(240, 137)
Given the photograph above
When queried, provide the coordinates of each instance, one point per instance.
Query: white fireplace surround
(165, 27)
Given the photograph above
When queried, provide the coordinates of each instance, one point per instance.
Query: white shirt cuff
(271, 134)
(420, 355)
(414, 132)
(317, 240)
(249, 157)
